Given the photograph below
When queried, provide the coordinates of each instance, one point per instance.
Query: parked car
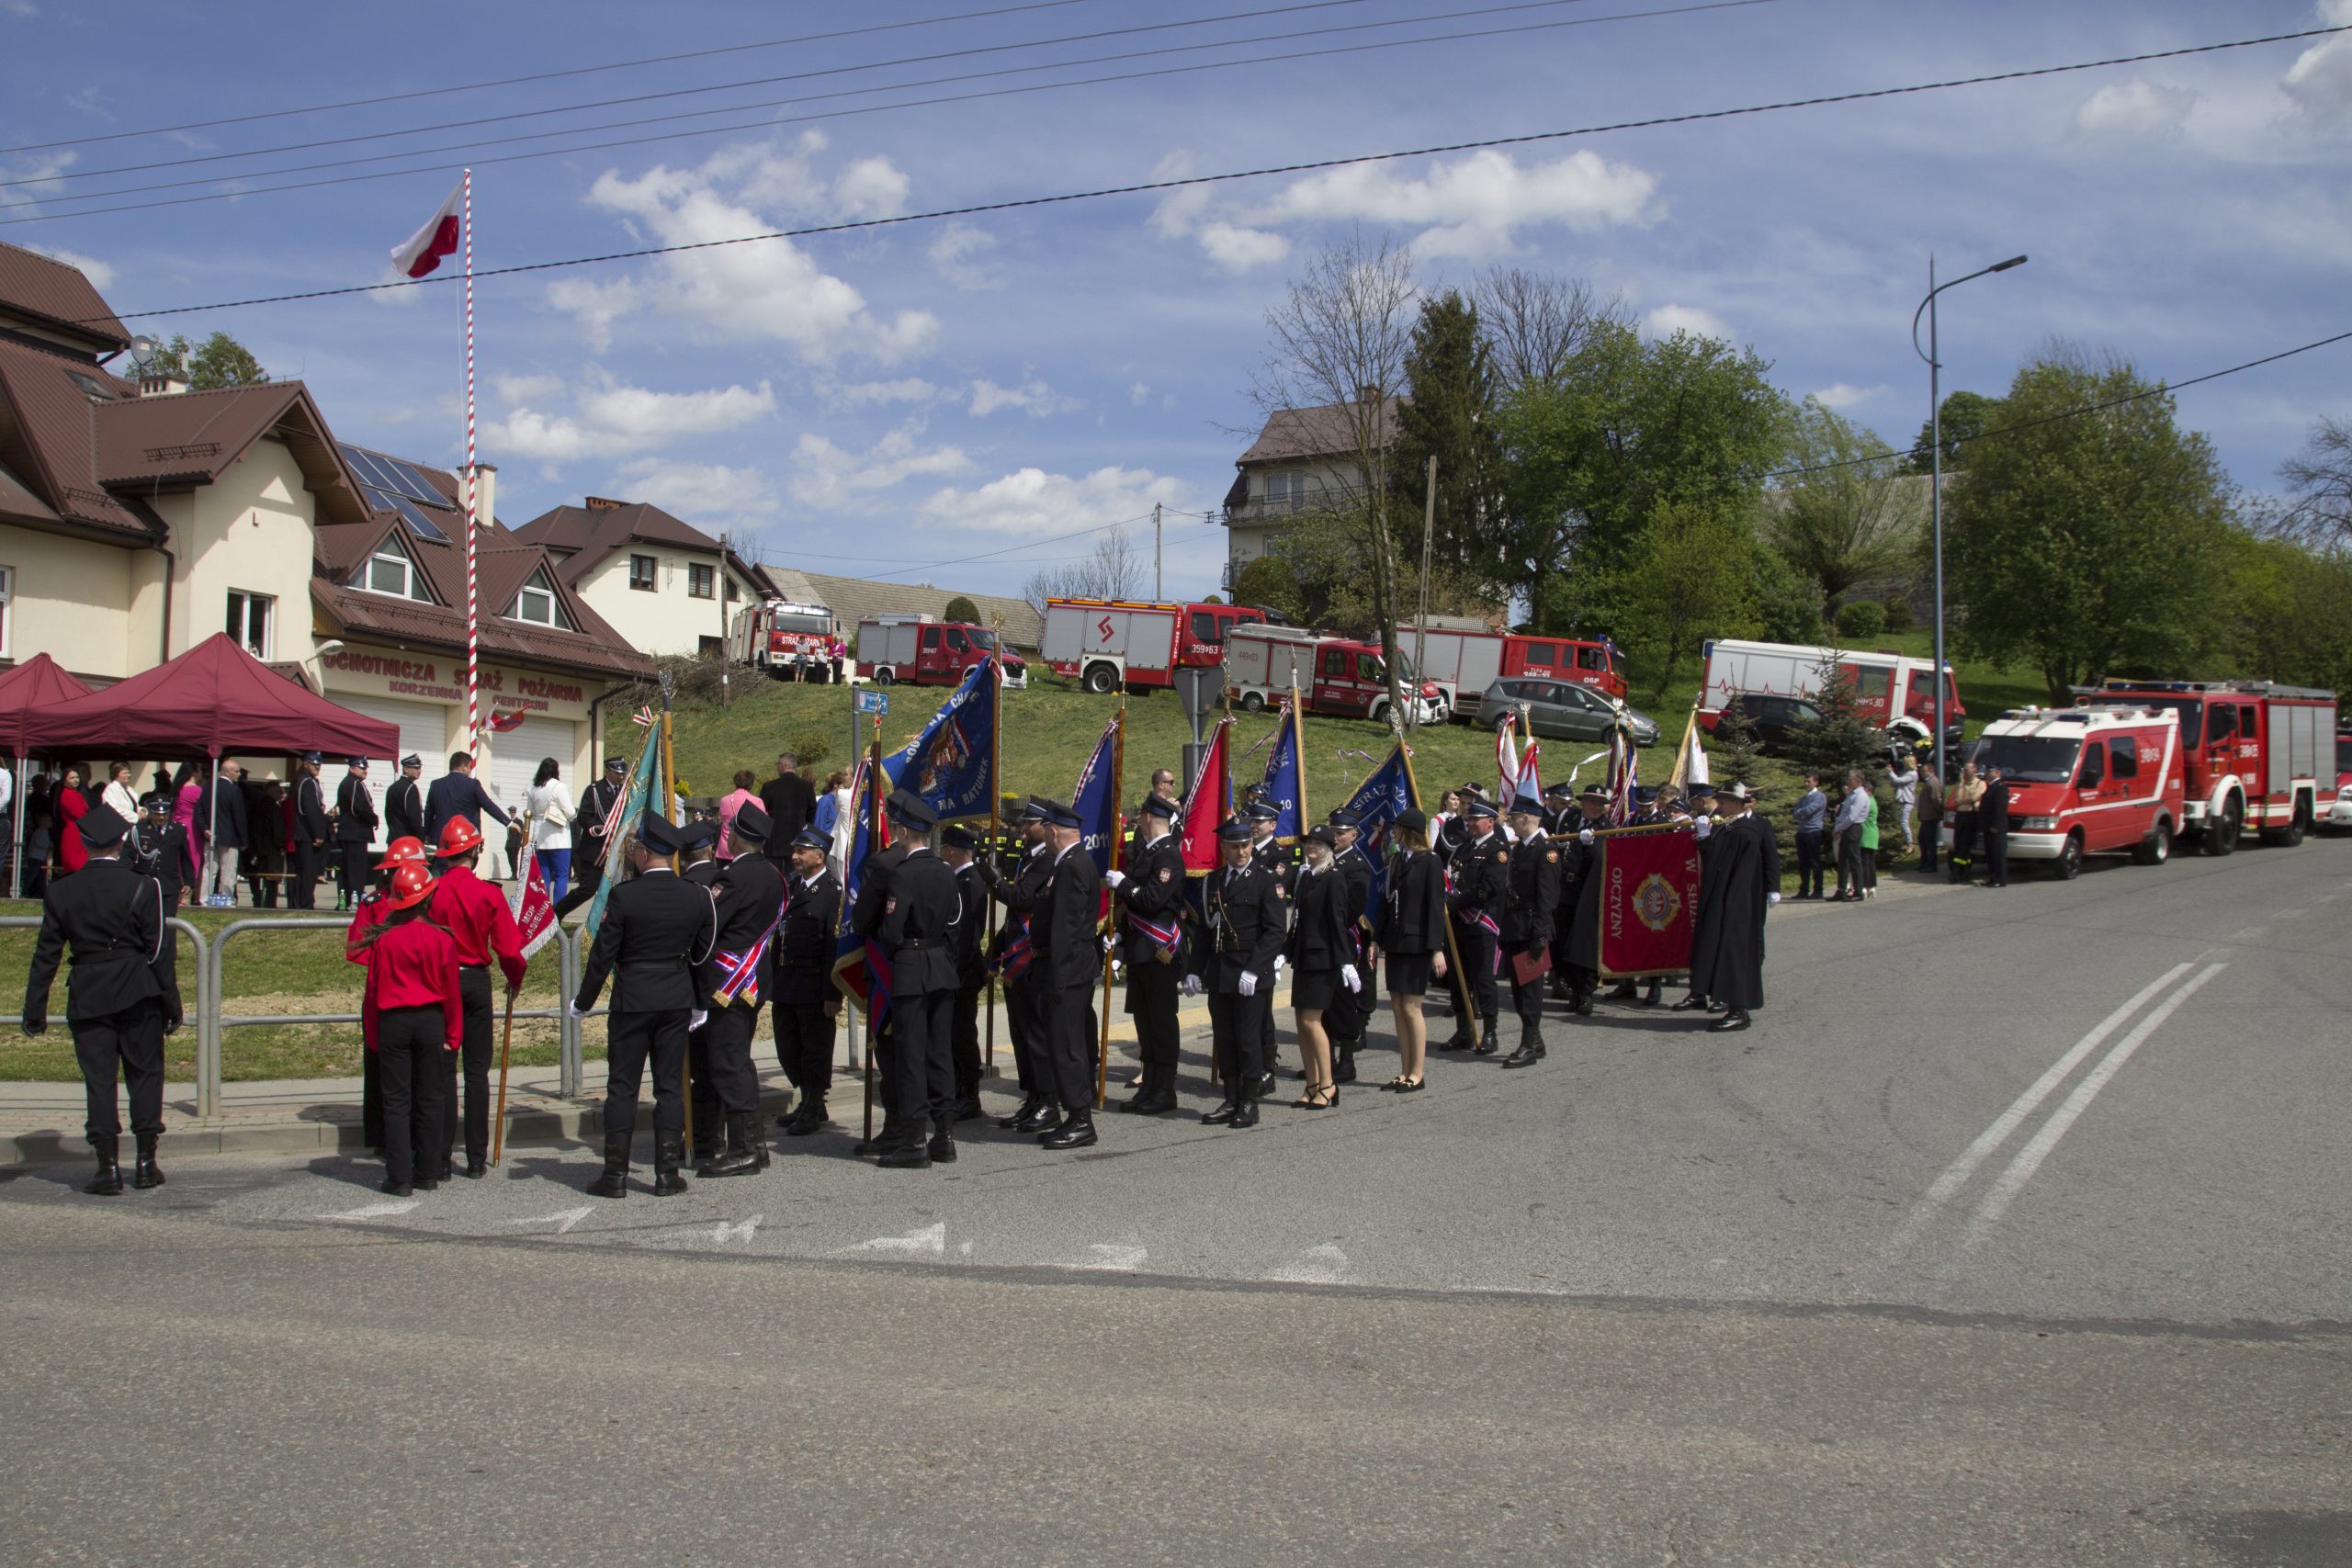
(1775, 719)
(1561, 710)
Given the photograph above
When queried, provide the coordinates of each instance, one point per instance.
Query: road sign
(871, 702)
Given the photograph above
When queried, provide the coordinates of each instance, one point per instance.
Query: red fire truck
(2106, 779)
(1464, 656)
(920, 651)
(2256, 753)
(1332, 676)
(1103, 644)
(791, 642)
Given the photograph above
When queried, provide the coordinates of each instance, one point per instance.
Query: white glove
(1584, 835)
(1705, 826)
(697, 1018)
(1771, 899)
(1248, 983)
(1192, 985)
(1114, 877)
(1279, 962)
(1118, 968)
(1109, 943)
(574, 1009)
(1350, 978)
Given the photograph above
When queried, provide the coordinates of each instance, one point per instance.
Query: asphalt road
(2013, 1233)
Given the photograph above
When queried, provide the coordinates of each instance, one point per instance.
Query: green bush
(962, 609)
(1898, 613)
(1861, 618)
(812, 747)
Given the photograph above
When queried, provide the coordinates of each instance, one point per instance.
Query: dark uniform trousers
(1070, 1043)
(921, 1086)
(309, 865)
(631, 1039)
(473, 991)
(1152, 993)
(1526, 1000)
(1021, 1022)
(1476, 947)
(804, 1046)
(134, 1041)
(964, 1037)
(415, 1084)
(726, 1040)
(356, 861)
(1237, 1024)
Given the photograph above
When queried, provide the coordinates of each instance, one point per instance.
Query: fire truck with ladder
(2256, 753)
(791, 642)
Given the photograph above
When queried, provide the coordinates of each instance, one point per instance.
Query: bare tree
(1534, 323)
(1341, 337)
(2321, 508)
(1115, 570)
(1855, 516)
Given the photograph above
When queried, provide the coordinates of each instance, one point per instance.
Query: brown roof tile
(55, 294)
(1325, 432)
(48, 438)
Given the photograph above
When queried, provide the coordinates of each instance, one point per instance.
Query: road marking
(929, 1242)
(2010, 1182)
(1324, 1265)
(2250, 933)
(1956, 1175)
(383, 1211)
(727, 1231)
(1122, 1260)
(562, 1220)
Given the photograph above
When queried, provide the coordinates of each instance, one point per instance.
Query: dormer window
(389, 571)
(537, 604)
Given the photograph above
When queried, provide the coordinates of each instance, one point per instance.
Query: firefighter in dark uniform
(354, 830)
(698, 863)
(1248, 915)
(313, 829)
(1273, 856)
(1479, 873)
(915, 928)
(808, 1003)
(1150, 895)
(656, 928)
(865, 920)
(1580, 893)
(1351, 1011)
(404, 803)
(1530, 902)
(121, 996)
(956, 847)
(750, 903)
(159, 847)
(1068, 967)
(1015, 957)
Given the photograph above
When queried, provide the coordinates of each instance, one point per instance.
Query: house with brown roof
(138, 518)
(1304, 461)
(665, 585)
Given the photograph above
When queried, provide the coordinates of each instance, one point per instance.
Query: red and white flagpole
(473, 621)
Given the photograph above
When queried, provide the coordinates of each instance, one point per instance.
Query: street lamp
(1936, 465)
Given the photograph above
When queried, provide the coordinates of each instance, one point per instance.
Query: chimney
(599, 503)
(152, 385)
(485, 493)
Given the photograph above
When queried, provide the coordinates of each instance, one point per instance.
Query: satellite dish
(143, 350)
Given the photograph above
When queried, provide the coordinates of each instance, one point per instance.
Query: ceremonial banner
(860, 969)
(633, 802)
(1691, 757)
(1649, 898)
(1095, 799)
(952, 764)
(534, 912)
(1206, 804)
(1375, 805)
(1285, 785)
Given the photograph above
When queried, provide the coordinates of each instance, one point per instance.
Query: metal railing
(202, 1012)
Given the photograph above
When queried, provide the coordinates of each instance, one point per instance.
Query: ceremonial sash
(1166, 938)
(1013, 961)
(742, 969)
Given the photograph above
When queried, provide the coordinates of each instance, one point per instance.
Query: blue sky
(883, 402)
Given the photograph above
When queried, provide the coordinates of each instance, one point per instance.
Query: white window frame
(707, 576)
(390, 550)
(537, 583)
(267, 602)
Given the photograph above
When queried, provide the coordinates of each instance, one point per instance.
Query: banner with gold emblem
(1649, 897)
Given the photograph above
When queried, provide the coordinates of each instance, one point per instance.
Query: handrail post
(207, 1082)
(568, 1050)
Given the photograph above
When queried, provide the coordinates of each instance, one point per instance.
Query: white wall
(669, 619)
(72, 600)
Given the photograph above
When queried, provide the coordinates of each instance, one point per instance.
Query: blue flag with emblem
(860, 967)
(952, 764)
(1375, 805)
(1285, 782)
(1096, 800)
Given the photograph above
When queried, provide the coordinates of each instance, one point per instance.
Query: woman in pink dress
(745, 795)
(189, 791)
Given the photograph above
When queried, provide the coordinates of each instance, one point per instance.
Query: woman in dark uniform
(1322, 961)
(1412, 934)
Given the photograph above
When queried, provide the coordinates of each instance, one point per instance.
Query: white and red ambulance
(2088, 780)
(2258, 754)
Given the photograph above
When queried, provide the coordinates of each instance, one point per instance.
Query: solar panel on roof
(388, 500)
(392, 475)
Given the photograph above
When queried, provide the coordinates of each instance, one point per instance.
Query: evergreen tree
(1450, 417)
(1733, 755)
(1841, 739)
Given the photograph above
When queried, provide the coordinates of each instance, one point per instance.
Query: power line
(1189, 181)
(540, 76)
(49, 214)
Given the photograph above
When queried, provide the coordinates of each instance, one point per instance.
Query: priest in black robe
(1741, 880)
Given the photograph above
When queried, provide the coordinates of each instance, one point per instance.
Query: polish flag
(422, 251)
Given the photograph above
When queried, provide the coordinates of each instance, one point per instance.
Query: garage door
(516, 755)
(425, 732)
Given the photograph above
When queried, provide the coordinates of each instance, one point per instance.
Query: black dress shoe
(1525, 1057)
(1691, 1003)
(424, 1185)
(1583, 1005)
(1078, 1133)
(1459, 1043)
(1265, 1086)
(448, 1171)
(668, 1183)
(805, 1121)
(1730, 1021)
(942, 1149)
(1247, 1116)
(1012, 1123)
(969, 1109)
(1487, 1046)
(1221, 1116)
(1150, 1104)
(476, 1169)
(1344, 1069)
(907, 1156)
(1044, 1119)
(396, 1188)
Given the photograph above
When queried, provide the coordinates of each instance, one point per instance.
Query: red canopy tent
(214, 699)
(32, 687)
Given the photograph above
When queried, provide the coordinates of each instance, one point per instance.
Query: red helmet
(411, 884)
(458, 837)
(403, 851)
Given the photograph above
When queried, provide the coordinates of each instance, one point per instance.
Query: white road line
(2010, 1182)
(1114, 1257)
(1324, 1265)
(929, 1242)
(1956, 1174)
(727, 1231)
(562, 1220)
(383, 1211)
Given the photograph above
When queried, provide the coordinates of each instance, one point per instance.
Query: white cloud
(610, 418)
(830, 478)
(2136, 109)
(1138, 394)
(1236, 249)
(1031, 500)
(1841, 395)
(1033, 398)
(19, 7)
(100, 274)
(905, 390)
(952, 252)
(771, 289)
(706, 494)
(2321, 79)
(528, 389)
(1668, 319)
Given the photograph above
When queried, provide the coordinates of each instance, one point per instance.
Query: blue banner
(952, 764)
(860, 969)
(1096, 800)
(1286, 783)
(1375, 806)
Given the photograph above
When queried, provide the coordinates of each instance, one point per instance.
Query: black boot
(1581, 1003)
(107, 1184)
(613, 1182)
(1650, 998)
(1343, 1069)
(669, 1152)
(1223, 1115)
(1623, 991)
(1076, 1131)
(942, 1147)
(742, 1127)
(1244, 1115)
(1042, 1117)
(882, 1143)
(1029, 1103)
(1487, 1044)
(149, 1173)
(1530, 1051)
(809, 1118)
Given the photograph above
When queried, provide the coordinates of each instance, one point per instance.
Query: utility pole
(1158, 590)
(726, 659)
(1429, 530)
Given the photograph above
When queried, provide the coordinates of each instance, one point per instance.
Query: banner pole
(669, 813)
(505, 1050)
(874, 785)
(1453, 954)
(996, 827)
(473, 618)
(1111, 919)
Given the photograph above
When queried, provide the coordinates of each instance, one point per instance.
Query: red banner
(1206, 807)
(534, 910)
(1649, 897)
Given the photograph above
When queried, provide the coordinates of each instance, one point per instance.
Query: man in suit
(589, 843)
(1150, 893)
(220, 813)
(404, 803)
(698, 863)
(788, 801)
(1016, 957)
(807, 1002)
(656, 928)
(1531, 896)
(355, 830)
(1067, 968)
(749, 895)
(313, 828)
(458, 794)
(1247, 913)
(915, 929)
(1481, 874)
(956, 847)
(122, 997)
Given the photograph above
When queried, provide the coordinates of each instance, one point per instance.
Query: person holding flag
(1068, 967)
(1479, 876)
(483, 927)
(806, 1001)
(915, 926)
(749, 903)
(1531, 896)
(591, 834)
(1150, 902)
(1247, 916)
(1015, 959)
(1270, 855)
(958, 846)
